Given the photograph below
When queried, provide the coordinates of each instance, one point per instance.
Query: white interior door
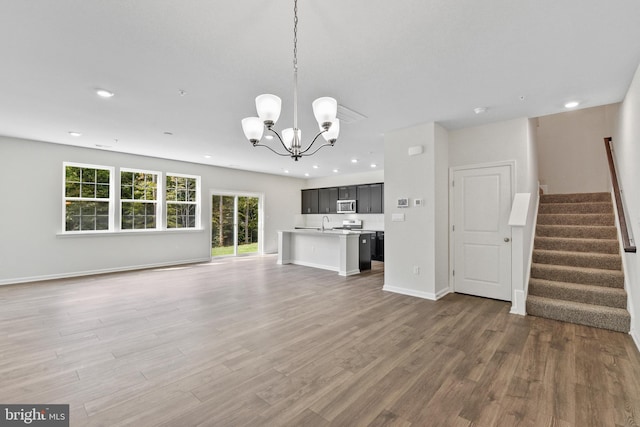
(481, 234)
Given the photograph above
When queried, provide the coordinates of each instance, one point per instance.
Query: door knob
(506, 239)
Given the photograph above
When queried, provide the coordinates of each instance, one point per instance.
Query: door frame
(452, 171)
(235, 194)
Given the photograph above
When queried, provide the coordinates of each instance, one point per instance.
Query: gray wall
(626, 141)
(571, 150)
(32, 247)
(416, 249)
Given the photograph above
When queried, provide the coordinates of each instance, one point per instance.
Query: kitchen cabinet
(310, 201)
(365, 251)
(347, 193)
(370, 198)
(377, 246)
(327, 200)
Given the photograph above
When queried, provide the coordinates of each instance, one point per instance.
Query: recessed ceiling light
(315, 166)
(306, 174)
(373, 165)
(207, 156)
(268, 136)
(335, 171)
(480, 110)
(354, 160)
(286, 171)
(571, 104)
(76, 134)
(104, 93)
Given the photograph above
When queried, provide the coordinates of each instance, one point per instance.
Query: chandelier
(269, 106)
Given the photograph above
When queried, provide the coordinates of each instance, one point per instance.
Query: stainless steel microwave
(346, 206)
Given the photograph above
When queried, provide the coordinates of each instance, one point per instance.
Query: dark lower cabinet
(365, 251)
(377, 246)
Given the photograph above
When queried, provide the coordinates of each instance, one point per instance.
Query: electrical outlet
(416, 270)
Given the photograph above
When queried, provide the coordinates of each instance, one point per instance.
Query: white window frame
(110, 200)
(158, 201)
(197, 203)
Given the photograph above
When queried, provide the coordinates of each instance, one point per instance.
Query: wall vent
(348, 116)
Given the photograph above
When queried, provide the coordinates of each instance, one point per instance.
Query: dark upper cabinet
(347, 193)
(310, 201)
(370, 198)
(327, 200)
(363, 202)
(377, 198)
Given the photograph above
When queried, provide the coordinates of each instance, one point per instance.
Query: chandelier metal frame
(269, 106)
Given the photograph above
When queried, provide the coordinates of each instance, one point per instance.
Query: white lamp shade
(287, 136)
(268, 107)
(253, 128)
(325, 109)
(333, 132)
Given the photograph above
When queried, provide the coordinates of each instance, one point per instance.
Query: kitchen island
(335, 250)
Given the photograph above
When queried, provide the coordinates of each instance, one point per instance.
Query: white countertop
(328, 231)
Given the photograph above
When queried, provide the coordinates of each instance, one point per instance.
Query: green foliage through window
(182, 201)
(87, 198)
(138, 196)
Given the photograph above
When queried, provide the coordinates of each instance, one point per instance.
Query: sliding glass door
(235, 224)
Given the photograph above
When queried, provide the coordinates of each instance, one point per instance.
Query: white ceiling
(399, 63)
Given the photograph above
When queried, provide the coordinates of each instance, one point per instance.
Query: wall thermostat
(417, 202)
(403, 202)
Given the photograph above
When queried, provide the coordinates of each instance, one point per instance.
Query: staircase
(576, 273)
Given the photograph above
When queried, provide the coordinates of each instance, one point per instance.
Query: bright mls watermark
(34, 415)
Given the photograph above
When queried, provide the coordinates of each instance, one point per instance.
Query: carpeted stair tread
(586, 276)
(587, 294)
(577, 231)
(603, 246)
(576, 208)
(616, 319)
(576, 219)
(576, 270)
(575, 198)
(578, 259)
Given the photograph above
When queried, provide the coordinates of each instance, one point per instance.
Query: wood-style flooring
(246, 342)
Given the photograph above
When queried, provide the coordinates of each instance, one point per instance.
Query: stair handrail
(617, 194)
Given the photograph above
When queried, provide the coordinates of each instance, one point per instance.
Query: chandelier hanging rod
(269, 107)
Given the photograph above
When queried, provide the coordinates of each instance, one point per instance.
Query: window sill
(127, 232)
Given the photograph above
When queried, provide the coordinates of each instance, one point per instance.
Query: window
(87, 198)
(183, 205)
(138, 200)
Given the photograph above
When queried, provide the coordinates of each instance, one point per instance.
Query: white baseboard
(43, 277)
(311, 264)
(414, 293)
(518, 304)
(636, 338)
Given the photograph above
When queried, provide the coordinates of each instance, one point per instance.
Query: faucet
(323, 221)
